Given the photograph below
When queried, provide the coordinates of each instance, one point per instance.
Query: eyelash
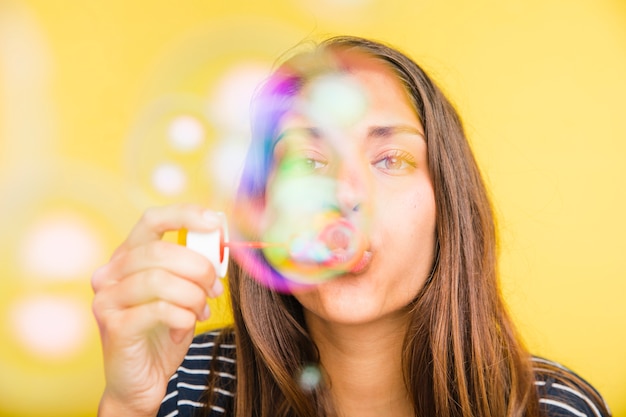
(309, 162)
(301, 162)
(407, 160)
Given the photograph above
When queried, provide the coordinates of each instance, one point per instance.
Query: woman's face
(369, 144)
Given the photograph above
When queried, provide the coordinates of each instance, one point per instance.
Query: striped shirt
(186, 389)
(562, 393)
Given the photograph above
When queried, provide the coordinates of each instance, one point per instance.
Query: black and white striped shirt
(187, 387)
(561, 392)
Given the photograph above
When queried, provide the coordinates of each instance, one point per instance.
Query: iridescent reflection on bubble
(319, 242)
(290, 191)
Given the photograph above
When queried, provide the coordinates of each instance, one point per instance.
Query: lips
(348, 247)
(363, 263)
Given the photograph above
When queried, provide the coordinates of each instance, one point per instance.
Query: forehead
(350, 63)
(308, 66)
(351, 86)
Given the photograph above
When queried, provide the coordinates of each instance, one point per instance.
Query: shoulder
(210, 361)
(563, 393)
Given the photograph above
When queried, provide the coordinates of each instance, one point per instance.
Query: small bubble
(169, 179)
(310, 378)
(186, 133)
(51, 327)
(60, 247)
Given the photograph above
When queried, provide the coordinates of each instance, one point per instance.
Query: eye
(395, 162)
(311, 164)
(302, 163)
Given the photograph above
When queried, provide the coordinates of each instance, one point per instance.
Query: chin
(346, 300)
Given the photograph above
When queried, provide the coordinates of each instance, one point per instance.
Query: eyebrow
(386, 131)
(312, 132)
(373, 132)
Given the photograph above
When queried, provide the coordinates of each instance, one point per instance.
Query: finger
(152, 225)
(99, 278)
(153, 285)
(158, 220)
(178, 336)
(136, 322)
(171, 257)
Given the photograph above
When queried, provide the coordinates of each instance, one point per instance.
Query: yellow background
(87, 88)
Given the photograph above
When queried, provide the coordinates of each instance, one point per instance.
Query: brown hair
(462, 356)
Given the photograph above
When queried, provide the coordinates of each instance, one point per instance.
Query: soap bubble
(169, 179)
(186, 133)
(309, 378)
(293, 186)
(53, 327)
(59, 248)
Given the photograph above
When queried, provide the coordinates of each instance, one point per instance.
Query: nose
(352, 188)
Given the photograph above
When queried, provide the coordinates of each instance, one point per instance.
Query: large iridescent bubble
(290, 200)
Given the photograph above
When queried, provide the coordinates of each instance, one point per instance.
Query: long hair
(461, 355)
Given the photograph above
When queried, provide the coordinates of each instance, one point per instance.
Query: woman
(413, 326)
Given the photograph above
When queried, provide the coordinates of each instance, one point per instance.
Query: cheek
(408, 230)
(410, 213)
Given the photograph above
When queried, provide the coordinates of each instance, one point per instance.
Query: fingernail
(178, 335)
(98, 276)
(218, 287)
(206, 312)
(211, 218)
(97, 273)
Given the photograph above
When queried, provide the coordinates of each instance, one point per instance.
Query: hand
(148, 298)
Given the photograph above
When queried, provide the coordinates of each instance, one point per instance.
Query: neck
(364, 365)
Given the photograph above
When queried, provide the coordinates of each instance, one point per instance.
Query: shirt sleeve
(169, 404)
(563, 393)
(208, 356)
